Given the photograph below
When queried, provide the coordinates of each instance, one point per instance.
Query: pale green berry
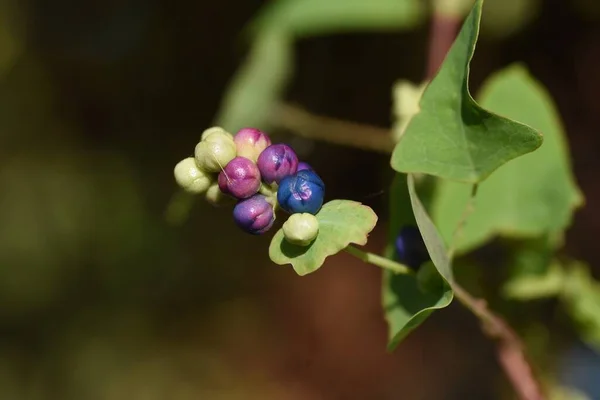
(217, 130)
(214, 152)
(301, 229)
(215, 196)
(191, 178)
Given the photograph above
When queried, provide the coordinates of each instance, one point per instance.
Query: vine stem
(510, 350)
(332, 130)
(382, 262)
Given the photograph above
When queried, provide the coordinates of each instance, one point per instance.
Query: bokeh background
(102, 299)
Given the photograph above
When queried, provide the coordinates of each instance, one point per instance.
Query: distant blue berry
(240, 178)
(276, 162)
(301, 193)
(410, 247)
(254, 215)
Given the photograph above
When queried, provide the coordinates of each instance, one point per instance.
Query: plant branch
(382, 262)
(346, 133)
(510, 350)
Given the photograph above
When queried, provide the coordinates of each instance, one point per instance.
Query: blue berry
(302, 192)
(410, 247)
(254, 215)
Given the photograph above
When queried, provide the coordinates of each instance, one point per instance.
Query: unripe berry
(301, 193)
(254, 215)
(301, 229)
(302, 166)
(214, 152)
(250, 143)
(240, 178)
(276, 162)
(217, 130)
(190, 177)
(215, 196)
(410, 248)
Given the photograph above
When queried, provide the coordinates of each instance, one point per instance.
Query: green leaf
(431, 237)
(526, 287)
(453, 137)
(341, 222)
(581, 295)
(530, 196)
(303, 18)
(407, 302)
(259, 84)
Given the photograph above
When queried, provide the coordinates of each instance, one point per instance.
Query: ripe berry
(302, 192)
(254, 215)
(240, 178)
(276, 162)
(303, 166)
(410, 248)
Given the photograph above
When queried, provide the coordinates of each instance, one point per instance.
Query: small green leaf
(341, 222)
(303, 18)
(453, 137)
(259, 83)
(409, 299)
(581, 295)
(526, 287)
(530, 196)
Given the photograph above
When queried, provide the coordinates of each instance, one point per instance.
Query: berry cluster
(261, 176)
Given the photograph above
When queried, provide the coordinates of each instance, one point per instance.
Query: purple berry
(303, 166)
(276, 162)
(251, 142)
(240, 178)
(254, 215)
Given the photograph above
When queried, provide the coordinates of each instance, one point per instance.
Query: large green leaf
(453, 137)
(530, 196)
(406, 301)
(318, 17)
(259, 84)
(341, 222)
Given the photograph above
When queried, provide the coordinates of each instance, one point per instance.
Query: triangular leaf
(453, 137)
(341, 222)
(530, 196)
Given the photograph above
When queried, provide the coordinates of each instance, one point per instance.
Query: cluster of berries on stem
(260, 176)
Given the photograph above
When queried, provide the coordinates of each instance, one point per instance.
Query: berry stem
(379, 261)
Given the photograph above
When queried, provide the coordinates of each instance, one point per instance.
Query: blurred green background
(101, 299)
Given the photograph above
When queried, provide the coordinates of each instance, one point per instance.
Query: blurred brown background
(100, 299)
